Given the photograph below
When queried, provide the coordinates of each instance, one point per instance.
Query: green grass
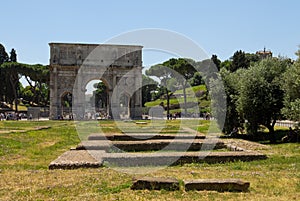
(180, 100)
(25, 156)
(173, 101)
(32, 145)
(192, 90)
(156, 126)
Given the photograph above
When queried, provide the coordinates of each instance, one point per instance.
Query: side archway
(124, 103)
(66, 105)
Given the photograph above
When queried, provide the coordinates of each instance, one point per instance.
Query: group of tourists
(174, 116)
(87, 116)
(11, 116)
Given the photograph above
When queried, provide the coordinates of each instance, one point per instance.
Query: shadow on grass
(263, 137)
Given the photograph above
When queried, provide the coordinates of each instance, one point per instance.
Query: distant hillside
(196, 96)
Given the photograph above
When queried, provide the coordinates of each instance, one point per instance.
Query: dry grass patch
(25, 158)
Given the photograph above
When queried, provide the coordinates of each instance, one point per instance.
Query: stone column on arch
(53, 94)
(138, 93)
(112, 98)
(79, 97)
(114, 104)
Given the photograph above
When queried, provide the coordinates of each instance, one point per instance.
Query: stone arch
(72, 72)
(103, 79)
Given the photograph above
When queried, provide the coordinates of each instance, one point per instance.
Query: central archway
(97, 101)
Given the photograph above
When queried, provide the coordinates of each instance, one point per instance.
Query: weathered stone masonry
(72, 66)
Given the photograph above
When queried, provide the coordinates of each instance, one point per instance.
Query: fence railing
(286, 123)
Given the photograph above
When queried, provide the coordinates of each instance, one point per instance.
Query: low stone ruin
(172, 184)
(147, 149)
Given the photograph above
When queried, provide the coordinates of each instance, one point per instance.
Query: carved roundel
(129, 81)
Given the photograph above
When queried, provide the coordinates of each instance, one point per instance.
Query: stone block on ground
(78, 159)
(216, 185)
(143, 136)
(141, 123)
(177, 158)
(155, 183)
(150, 145)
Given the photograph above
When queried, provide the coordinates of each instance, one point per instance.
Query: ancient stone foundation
(172, 184)
(157, 150)
(220, 185)
(155, 183)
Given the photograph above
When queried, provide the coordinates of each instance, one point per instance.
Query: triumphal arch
(73, 66)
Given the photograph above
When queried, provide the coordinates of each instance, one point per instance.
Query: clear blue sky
(219, 27)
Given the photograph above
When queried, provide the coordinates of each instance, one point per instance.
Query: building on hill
(264, 53)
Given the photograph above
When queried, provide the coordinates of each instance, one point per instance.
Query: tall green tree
(163, 73)
(226, 64)
(252, 58)
(3, 55)
(231, 83)
(12, 80)
(13, 56)
(11, 71)
(216, 61)
(3, 86)
(37, 77)
(261, 96)
(101, 95)
(208, 71)
(148, 89)
(185, 71)
(196, 80)
(291, 86)
(239, 60)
